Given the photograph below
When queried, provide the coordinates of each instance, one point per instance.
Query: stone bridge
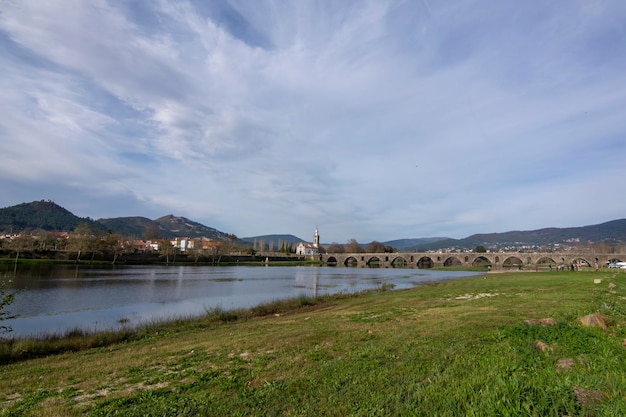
(496, 260)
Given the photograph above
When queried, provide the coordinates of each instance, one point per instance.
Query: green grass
(19, 349)
(456, 348)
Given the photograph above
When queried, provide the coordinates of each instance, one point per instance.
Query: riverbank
(453, 348)
(181, 261)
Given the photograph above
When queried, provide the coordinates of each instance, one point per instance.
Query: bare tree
(335, 248)
(353, 247)
(605, 247)
(166, 249)
(216, 252)
(50, 241)
(375, 247)
(196, 251)
(82, 239)
(20, 244)
(116, 244)
(228, 246)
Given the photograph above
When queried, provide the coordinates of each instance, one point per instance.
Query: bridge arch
(481, 261)
(513, 262)
(331, 261)
(374, 261)
(545, 260)
(399, 262)
(452, 261)
(351, 261)
(497, 260)
(425, 262)
(581, 261)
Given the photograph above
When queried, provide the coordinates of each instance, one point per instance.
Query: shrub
(6, 298)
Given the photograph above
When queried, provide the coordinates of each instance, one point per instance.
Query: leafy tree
(480, 249)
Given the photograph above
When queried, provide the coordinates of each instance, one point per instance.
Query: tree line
(86, 243)
(352, 246)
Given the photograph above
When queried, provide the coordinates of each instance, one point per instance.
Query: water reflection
(56, 298)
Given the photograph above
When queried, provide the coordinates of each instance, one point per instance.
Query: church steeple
(316, 238)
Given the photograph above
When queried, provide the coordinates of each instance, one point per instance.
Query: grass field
(456, 348)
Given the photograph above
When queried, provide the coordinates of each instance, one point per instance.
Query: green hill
(135, 226)
(611, 232)
(181, 226)
(44, 215)
(164, 227)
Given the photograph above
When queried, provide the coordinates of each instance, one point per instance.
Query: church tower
(316, 239)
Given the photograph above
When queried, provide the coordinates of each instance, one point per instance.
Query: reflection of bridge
(497, 260)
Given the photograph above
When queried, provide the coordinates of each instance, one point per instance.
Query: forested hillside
(48, 216)
(41, 215)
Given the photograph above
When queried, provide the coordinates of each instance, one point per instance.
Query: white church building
(304, 248)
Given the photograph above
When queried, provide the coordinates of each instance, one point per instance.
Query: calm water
(56, 298)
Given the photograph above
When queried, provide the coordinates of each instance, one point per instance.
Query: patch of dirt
(477, 296)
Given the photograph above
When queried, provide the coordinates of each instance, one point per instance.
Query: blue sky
(372, 120)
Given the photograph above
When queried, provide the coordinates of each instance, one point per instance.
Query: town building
(308, 249)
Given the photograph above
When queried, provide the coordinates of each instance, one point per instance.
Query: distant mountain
(181, 226)
(164, 227)
(274, 240)
(135, 226)
(613, 232)
(402, 244)
(47, 215)
(291, 239)
(399, 244)
(44, 215)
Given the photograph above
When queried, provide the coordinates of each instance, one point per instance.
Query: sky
(369, 120)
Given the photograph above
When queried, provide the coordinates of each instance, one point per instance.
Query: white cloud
(374, 119)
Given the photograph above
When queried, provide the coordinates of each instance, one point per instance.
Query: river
(52, 299)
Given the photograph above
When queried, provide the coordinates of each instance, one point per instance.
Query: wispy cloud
(369, 119)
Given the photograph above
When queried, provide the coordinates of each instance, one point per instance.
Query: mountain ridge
(288, 238)
(613, 231)
(47, 215)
